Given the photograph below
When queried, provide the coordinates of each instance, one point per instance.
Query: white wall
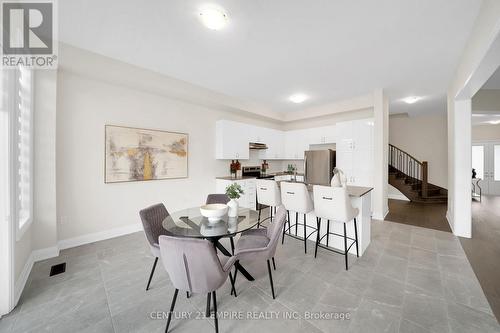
(425, 138)
(45, 214)
(85, 204)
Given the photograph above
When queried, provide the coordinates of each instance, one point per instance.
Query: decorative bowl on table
(214, 212)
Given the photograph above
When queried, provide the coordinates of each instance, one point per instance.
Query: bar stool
(296, 198)
(268, 194)
(333, 204)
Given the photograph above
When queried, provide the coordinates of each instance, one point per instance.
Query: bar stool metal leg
(356, 237)
(327, 232)
(305, 234)
(345, 247)
(258, 220)
(318, 224)
(296, 222)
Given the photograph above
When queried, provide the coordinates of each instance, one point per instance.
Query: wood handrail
(415, 171)
(401, 150)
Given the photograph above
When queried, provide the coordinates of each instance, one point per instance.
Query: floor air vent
(58, 269)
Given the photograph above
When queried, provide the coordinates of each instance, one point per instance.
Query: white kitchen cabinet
(322, 135)
(248, 199)
(231, 140)
(275, 141)
(355, 151)
(296, 142)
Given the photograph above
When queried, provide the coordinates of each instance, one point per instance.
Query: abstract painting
(135, 154)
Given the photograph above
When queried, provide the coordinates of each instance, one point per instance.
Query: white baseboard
(23, 278)
(98, 236)
(398, 197)
(47, 253)
(380, 217)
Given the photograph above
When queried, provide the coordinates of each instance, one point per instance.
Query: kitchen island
(360, 198)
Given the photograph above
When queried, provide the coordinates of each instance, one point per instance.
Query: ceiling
(485, 118)
(329, 50)
(493, 82)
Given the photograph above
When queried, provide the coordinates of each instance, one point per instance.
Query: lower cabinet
(281, 178)
(248, 199)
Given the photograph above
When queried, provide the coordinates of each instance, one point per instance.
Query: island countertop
(353, 191)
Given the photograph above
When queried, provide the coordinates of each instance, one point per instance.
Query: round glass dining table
(190, 223)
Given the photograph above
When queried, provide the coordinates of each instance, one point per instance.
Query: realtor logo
(28, 34)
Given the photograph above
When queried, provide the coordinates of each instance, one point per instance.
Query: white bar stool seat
(333, 204)
(296, 198)
(268, 194)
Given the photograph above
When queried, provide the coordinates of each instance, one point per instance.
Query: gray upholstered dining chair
(217, 199)
(262, 243)
(152, 218)
(194, 266)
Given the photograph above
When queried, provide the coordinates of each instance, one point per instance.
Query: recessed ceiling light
(213, 18)
(412, 99)
(298, 98)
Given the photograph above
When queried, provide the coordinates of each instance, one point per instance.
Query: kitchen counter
(360, 198)
(353, 191)
(236, 178)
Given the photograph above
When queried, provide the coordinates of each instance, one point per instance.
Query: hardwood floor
(483, 249)
(431, 216)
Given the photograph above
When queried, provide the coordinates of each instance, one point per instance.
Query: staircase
(410, 177)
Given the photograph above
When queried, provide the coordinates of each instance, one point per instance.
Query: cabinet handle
(325, 198)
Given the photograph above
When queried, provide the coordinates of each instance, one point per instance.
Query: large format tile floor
(410, 280)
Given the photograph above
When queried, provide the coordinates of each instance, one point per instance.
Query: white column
(460, 145)
(381, 142)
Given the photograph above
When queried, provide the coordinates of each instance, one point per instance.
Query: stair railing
(409, 166)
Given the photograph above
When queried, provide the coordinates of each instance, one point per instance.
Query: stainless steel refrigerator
(318, 166)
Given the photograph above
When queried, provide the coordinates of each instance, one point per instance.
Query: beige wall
(485, 132)
(425, 138)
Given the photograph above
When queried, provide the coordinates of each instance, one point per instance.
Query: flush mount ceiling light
(213, 18)
(494, 122)
(412, 99)
(298, 98)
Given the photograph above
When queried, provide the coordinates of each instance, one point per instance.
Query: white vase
(233, 208)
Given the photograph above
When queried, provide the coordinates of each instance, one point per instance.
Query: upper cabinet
(296, 142)
(231, 140)
(275, 141)
(322, 135)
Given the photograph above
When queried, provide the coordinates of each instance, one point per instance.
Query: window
(21, 104)
(478, 160)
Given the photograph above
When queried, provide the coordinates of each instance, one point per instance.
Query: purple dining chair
(262, 243)
(194, 266)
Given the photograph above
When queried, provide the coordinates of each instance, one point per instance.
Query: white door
(486, 162)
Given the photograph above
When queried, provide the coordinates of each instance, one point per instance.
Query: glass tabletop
(190, 223)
